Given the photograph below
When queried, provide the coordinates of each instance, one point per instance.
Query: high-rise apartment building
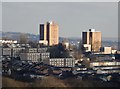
(92, 38)
(49, 33)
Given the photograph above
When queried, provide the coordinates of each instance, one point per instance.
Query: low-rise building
(102, 57)
(106, 66)
(16, 51)
(30, 50)
(6, 51)
(106, 50)
(62, 62)
(87, 47)
(44, 49)
(13, 52)
(8, 41)
(35, 57)
(104, 63)
(43, 42)
(114, 51)
(34, 50)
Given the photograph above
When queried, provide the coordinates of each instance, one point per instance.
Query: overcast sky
(72, 18)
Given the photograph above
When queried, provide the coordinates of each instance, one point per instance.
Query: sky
(72, 17)
(0, 16)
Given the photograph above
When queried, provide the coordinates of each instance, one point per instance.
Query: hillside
(16, 35)
(113, 42)
(51, 81)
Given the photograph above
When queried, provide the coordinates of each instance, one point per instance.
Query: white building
(106, 66)
(106, 50)
(87, 47)
(8, 41)
(45, 42)
(62, 62)
(114, 51)
(104, 63)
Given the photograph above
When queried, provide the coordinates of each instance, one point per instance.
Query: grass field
(51, 81)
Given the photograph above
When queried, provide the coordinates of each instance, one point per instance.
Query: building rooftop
(91, 30)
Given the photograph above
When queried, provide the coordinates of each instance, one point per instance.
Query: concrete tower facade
(49, 33)
(92, 38)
